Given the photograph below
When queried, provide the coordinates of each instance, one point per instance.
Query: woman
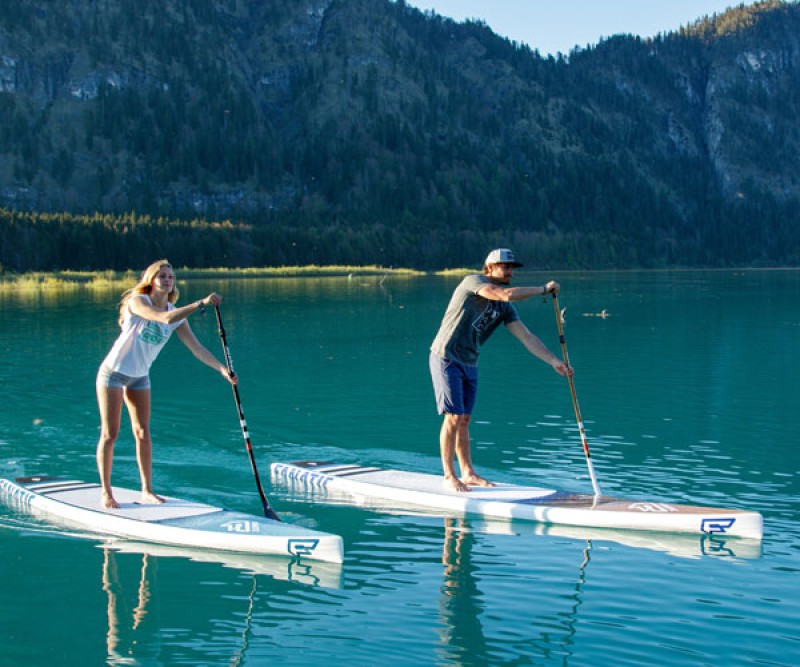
(148, 316)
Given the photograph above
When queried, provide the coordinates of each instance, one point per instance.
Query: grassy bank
(105, 279)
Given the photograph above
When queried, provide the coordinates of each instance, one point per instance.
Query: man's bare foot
(107, 501)
(151, 498)
(455, 483)
(476, 480)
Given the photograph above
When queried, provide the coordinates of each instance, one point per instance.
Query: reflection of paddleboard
(508, 501)
(302, 571)
(176, 522)
(682, 545)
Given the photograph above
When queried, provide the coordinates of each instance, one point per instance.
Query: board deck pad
(176, 522)
(86, 494)
(511, 501)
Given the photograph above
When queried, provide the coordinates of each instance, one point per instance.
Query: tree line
(31, 241)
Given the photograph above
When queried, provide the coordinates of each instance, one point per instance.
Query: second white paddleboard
(509, 501)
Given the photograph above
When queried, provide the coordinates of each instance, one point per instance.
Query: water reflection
(681, 545)
(133, 637)
(130, 639)
(553, 600)
(136, 621)
(297, 570)
(461, 604)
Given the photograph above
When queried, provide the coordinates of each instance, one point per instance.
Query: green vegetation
(58, 280)
(246, 134)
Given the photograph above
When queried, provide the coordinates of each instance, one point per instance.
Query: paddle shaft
(268, 511)
(562, 338)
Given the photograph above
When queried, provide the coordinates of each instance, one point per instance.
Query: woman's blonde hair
(145, 286)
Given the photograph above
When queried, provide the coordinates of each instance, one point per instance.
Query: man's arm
(496, 293)
(537, 348)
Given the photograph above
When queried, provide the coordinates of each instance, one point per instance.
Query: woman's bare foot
(455, 483)
(151, 498)
(476, 480)
(107, 501)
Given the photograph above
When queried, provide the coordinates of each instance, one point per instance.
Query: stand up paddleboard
(508, 501)
(175, 522)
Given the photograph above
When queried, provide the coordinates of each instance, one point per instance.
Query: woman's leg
(109, 402)
(138, 402)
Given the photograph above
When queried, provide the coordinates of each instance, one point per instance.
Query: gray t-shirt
(469, 321)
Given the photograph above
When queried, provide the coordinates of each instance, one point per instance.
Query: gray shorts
(113, 380)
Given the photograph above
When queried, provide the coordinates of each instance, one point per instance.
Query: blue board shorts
(454, 384)
(113, 380)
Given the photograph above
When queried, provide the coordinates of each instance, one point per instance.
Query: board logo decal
(304, 547)
(659, 508)
(308, 477)
(241, 526)
(21, 498)
(719, 525)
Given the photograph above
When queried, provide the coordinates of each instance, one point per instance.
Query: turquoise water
(688, 391)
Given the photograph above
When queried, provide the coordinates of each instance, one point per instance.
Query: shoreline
(44, 280)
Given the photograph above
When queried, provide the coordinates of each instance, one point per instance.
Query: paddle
(268, 511)
(560, 322)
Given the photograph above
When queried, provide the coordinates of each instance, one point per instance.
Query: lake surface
(688, 390)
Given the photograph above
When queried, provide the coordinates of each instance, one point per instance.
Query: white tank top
(139, 342)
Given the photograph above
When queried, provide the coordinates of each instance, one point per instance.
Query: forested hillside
(250, 132)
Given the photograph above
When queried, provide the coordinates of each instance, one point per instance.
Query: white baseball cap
(501, 256)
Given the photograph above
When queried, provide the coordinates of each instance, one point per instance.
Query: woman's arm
(146, 310)
(188, 338)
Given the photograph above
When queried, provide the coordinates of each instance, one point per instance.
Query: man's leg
(451, 442)
(464, 455)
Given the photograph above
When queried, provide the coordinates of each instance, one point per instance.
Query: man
(478, 306)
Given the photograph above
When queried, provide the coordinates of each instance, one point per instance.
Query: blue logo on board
(720, 525)
(302, 547)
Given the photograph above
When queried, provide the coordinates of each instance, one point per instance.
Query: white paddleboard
(509, 501)
(176, 522)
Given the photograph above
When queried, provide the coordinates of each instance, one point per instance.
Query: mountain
(366, 131)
